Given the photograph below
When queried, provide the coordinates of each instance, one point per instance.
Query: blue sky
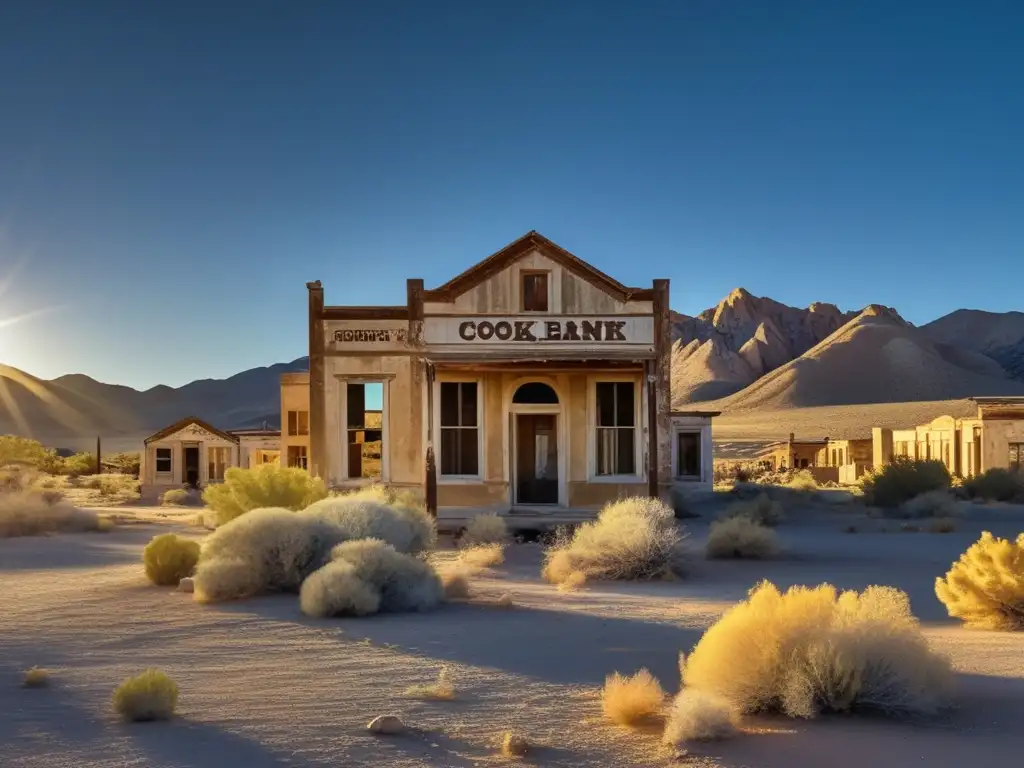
(171, 174)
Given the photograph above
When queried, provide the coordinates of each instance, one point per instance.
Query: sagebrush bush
(741, 537)
(985, 587)
(636, 538)
(34, 512)
(699, 716)
(996, 484)
(514, 744)
(902, 479)
(112, 484)
(368, 515)
(169, 559)
(264, 550)
(455, 583)
(810, 650)
(398, 582)
(485, 529)
(267, 485)
(175, 497)
(36, 678)
(573, 581)
(802, 480)
(632, 700)
(151, 695)
(762, 510)
(483, 556)
(930, 504)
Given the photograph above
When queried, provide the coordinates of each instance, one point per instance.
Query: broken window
(365, 429)
(163, 459)
(1016, 455)
(616, 428)
(297, 456)
(460, 425)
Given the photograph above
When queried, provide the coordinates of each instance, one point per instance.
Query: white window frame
(699, 432)
(480, 429)
(640, 428)
(385, 418)
(156, 461)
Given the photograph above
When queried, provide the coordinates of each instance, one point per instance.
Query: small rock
(186, 585)
(514, 745)
(388, 724)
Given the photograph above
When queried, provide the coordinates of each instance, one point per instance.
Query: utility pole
(99, 465)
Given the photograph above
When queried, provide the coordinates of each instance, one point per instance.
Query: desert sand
(262, 685)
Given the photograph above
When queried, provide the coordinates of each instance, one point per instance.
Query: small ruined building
(530, 382)
(828, 460)
(967, 446)
(192, 453)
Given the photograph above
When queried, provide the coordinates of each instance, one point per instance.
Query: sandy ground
(262, 685)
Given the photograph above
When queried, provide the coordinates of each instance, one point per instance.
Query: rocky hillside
(728, 347)
(1000, 335)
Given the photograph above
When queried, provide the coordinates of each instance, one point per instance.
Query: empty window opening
(688, 455)
(460, 438)
(163, 459)
(298, 423)
(297, 456)
(365, 429)
(535, 393)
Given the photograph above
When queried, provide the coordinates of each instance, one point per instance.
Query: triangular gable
(534, 241)
(180, 425)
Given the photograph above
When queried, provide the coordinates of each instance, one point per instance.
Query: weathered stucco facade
(532, 380)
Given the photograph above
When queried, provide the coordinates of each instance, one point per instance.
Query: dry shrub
(149, 696)
(761, 510)
(504, 600)
(442, 689)
(811, 650)
(929, 504)
(486, 529)
(632, 700)
(268, 485)
(574, 580)
(455, 583)
(985, 587)
(514, 744)
(902, 479)
(699, 716)
(36, 678)
(483, 556)
(265, 550)
(169, 559)
(996, 484)
(942, 525)
(112, 484)
(802, 480)
(33, 512)
(176, 497)
(368, 514)
(741, 537)
(367, 576)
(635, 538)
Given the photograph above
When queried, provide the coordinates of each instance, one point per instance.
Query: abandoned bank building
(530, 381)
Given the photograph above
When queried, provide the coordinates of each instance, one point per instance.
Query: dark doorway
(191, 466)
(536, 458)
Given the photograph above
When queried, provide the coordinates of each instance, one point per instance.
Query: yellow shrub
(175, 497)
(149, 696)
(36, 678)
(441, 689)
(268, 485)
(169, 559)
(485, 529)
(762, 510)
(698, 716)
(811, 650)
(514, 745)
(985, 587)
(740, 537)
(632, 700)
(483, 555)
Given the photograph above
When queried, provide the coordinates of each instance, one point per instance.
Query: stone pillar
(881, 446)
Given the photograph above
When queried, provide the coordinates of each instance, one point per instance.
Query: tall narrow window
(163, 459)
(1016, 455)
(298, 423)
(616, 428)
(535, 291)
(460, 425)
(297, 456)
(688, 455)
(217, 461)
(365, 429)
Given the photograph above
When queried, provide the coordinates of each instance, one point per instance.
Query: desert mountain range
(746, 354)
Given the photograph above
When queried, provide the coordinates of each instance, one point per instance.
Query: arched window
(535, 393)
